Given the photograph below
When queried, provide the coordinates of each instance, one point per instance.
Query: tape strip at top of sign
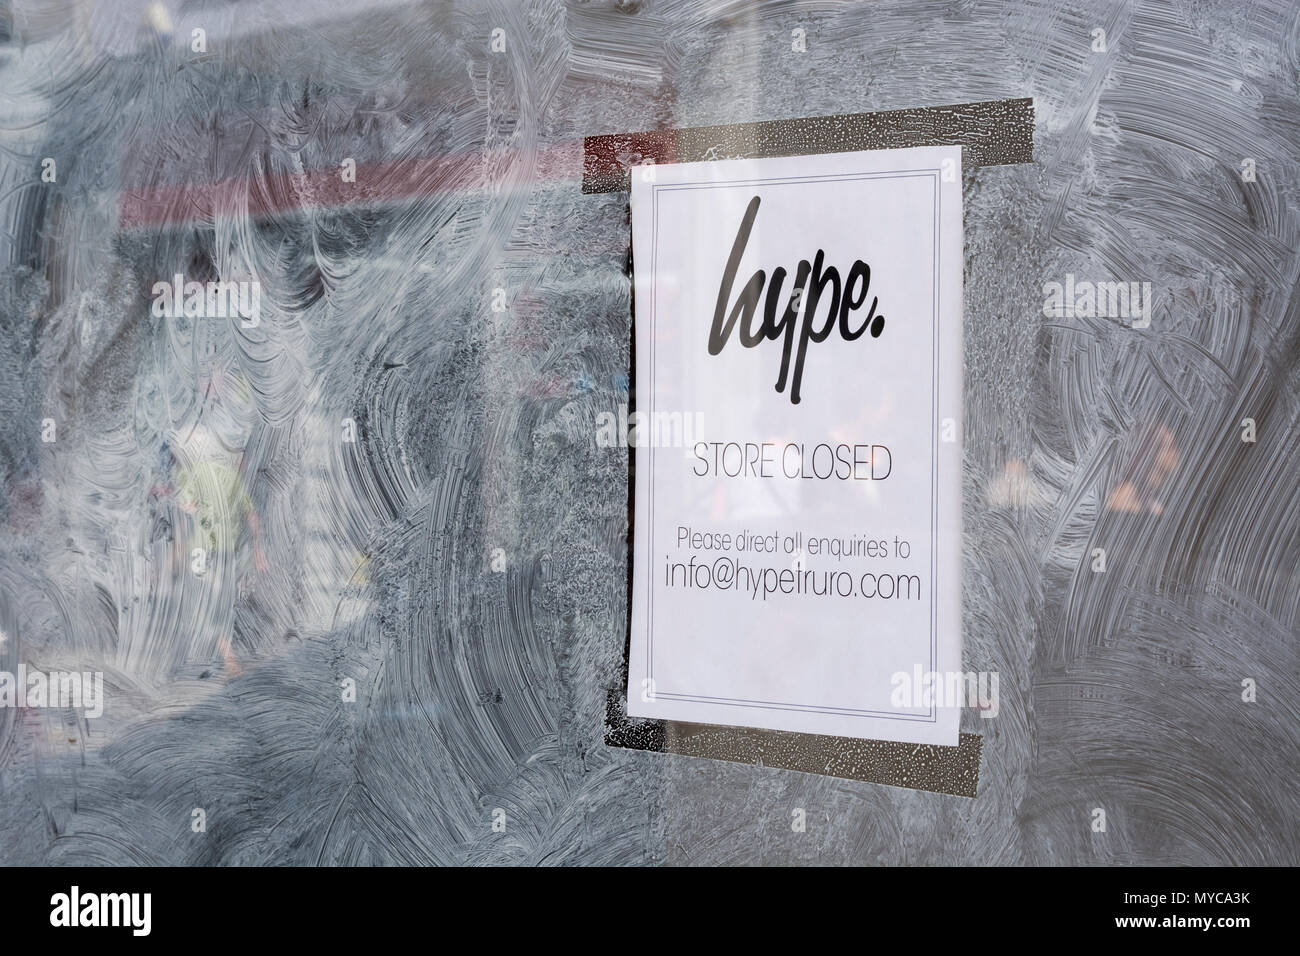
(990, 133)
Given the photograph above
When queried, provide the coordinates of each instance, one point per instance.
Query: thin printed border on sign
(655, 190)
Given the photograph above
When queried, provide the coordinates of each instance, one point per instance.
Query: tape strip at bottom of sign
(991, 133)
(952, 770)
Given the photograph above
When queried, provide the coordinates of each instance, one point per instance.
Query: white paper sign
(798, 458)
